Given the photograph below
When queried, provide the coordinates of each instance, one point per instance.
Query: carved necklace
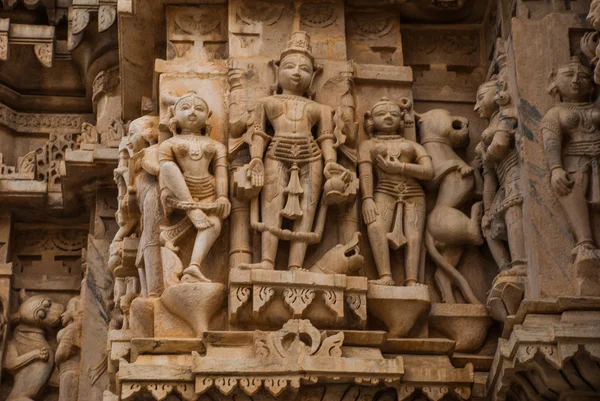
(195, 148)
(583, 111)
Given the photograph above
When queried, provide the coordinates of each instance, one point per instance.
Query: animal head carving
(39, 311)
(441, 126)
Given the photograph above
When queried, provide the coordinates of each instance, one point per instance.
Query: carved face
(69, 314)
(295, 73)
(573, 83)
(387, 117)
(142, 133)
(41, 311)
(485, 105)
(593, 16)
(191, 113)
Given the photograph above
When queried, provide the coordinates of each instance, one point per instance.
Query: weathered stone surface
(299, 200)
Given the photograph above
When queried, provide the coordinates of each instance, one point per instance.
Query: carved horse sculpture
(441, 132)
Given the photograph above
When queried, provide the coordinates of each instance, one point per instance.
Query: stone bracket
(41, 37)
(297, 291)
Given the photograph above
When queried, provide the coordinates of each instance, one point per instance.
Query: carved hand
(486, 222)
(391, 167)
(561, 182)
(465, 170)
(43, 354)
(332, 168)
(223, 207)
(256, 172)
(370, 211)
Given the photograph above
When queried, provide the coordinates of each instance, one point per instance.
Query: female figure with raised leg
(193, 180)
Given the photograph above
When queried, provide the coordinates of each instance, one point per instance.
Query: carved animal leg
(452, 255)
(312, 180)
(377, 237)
(446, 222)
(414, 226)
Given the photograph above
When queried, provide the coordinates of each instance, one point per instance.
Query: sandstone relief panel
(339, 200)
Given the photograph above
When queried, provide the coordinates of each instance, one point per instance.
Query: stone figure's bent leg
(377, 231)
(414, 227)
(311, 180)
(202, 245)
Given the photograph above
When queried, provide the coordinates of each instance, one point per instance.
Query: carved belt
(590, 149)
(399, 190)
(200, 187)
(298, 150)
(507, 170)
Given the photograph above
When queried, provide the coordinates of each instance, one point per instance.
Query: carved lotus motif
(197, 24)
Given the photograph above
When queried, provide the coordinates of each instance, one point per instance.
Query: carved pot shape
(196, 303)
(399, 308)
(467, 324)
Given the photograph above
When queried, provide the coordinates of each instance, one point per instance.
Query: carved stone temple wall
(308, 200)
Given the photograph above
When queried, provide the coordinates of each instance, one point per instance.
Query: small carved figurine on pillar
(394, 209)
(290, 164)
(68, 353)
(571, 132)
(193, 181)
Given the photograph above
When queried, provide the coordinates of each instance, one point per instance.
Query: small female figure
(68, 352)
(399, 164)
(502, 194)
(193, 179)
(571, 132)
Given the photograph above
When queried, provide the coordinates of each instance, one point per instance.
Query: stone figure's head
(572, 82)
(39, 311)
(189, 115)
(593, 16)
(73, 311)
(143, 132)
(485, 104)
(439, 125)
(296, 70)
(387, 117)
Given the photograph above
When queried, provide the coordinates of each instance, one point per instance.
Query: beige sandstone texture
(299, 200)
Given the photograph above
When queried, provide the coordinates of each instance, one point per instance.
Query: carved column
(96, 297)
(5, 278)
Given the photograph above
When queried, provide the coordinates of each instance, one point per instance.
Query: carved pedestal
(398, 308)
(551, 353)
(267, 298)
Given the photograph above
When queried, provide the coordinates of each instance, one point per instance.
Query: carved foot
(586, 254)
(297, 269)
(517, 268)
(192, 274)
(414, 283)
(264, 265)
(384, 280)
